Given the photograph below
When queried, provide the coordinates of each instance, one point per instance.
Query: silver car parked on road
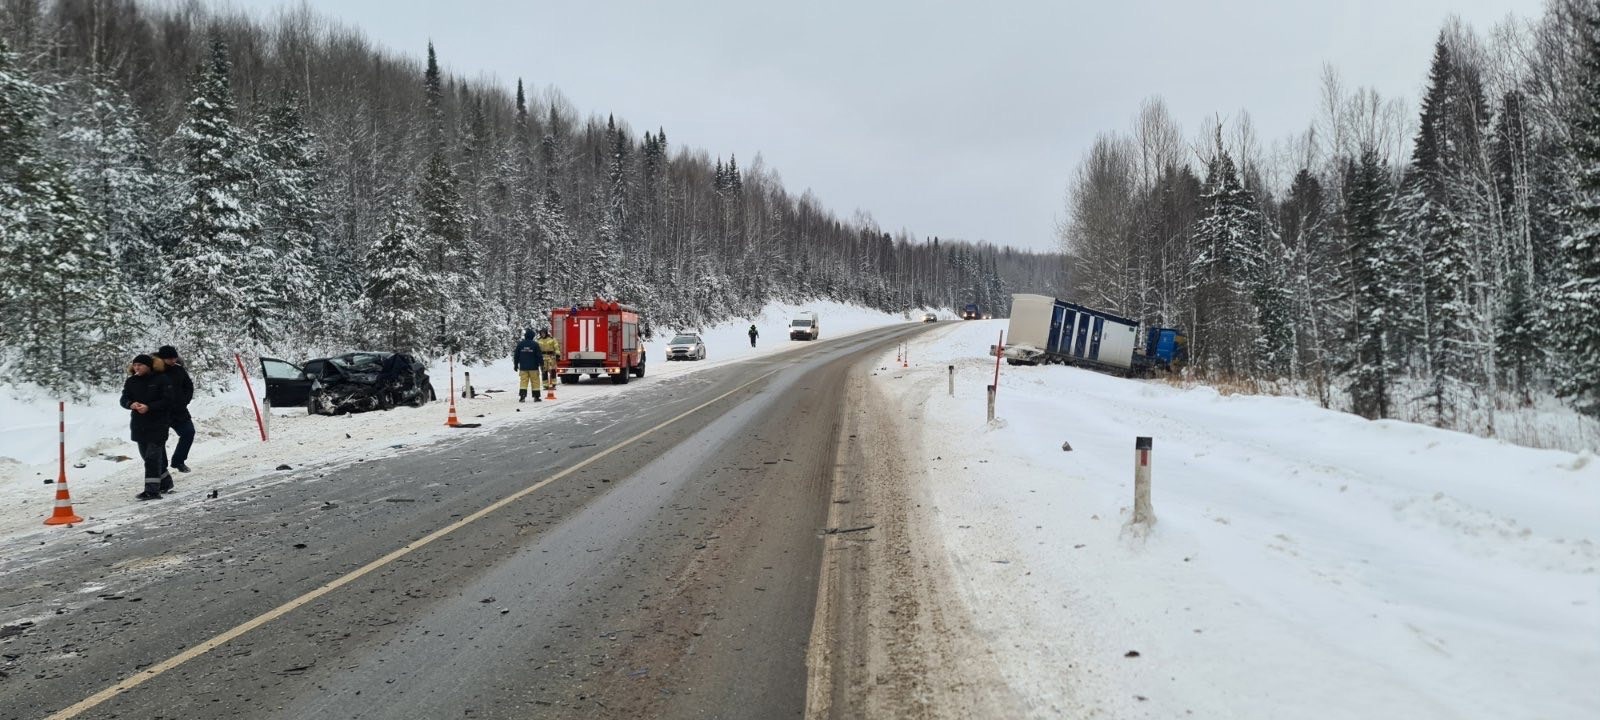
(686, 346)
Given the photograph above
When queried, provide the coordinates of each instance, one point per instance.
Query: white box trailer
(1044, 329)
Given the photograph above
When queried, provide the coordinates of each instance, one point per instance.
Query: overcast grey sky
(957, 119)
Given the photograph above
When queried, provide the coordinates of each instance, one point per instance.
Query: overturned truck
(1046, 330)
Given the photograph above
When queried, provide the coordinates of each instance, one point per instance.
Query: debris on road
(840, 531)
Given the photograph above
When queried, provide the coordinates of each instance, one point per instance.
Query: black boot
(522, 396)
(166, 482)
(152, 491)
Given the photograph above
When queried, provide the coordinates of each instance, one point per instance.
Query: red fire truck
(598, 338)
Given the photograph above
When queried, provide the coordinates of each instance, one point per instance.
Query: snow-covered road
(1305, 563)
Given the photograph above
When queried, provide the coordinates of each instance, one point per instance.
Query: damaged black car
(353, 382)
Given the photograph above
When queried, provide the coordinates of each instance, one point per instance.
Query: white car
(686, 346)
(930, 317)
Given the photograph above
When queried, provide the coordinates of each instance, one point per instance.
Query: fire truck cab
(598, 338)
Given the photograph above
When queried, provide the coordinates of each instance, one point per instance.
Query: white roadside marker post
(952, 381)
(991, 403)
(1142, 513)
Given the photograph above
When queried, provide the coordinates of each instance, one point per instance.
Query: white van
(804, 326)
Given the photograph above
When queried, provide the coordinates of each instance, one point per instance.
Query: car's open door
(287, 386)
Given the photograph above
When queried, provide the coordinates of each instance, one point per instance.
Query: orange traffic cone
(905, 358)
(452, 421)
(550, 391)
(63, 514)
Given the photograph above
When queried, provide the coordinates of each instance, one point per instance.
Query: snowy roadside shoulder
(104, 470)
(1303, 561)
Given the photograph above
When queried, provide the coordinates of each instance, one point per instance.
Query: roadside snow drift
(1304, 562)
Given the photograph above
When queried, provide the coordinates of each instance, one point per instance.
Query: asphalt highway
(653, 553)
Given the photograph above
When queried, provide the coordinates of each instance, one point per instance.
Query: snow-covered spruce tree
(1575, 303)
(559, 247)
(443, 217)
(401, 291)
(66, 320)
(1270, 294)
(1373, 281)
(102, 142)
(607, 274)
(310, 275)
(1438, 223)
(22, 108)
(1311, 278)
(219, 288)
(526, 291)
(465, 319)
(1518, 346)
(1518, 342)
(1225, 234)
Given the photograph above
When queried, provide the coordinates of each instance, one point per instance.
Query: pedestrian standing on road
(148, 397)
(753, 335)
(529, 361)
(182, 422)
(552, 352)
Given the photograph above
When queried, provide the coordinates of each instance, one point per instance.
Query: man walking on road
(147, 395)
(182, 422)
(529, 360)
(552, 351)
(753, 335)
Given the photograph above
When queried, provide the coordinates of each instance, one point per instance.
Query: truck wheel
(621, 378)
(639, 372)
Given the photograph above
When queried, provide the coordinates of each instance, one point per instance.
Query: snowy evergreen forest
(170, 174)
(1430, 264)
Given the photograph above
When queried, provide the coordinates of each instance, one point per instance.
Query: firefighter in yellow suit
(551, 352)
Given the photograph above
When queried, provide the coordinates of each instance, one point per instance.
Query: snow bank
(228, 450)
(1305, 562)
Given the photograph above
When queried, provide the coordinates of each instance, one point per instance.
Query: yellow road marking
(153, 671)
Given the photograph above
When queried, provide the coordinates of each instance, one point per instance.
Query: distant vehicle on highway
(686, 346)
(804, 326)
(930, 317)
(971, 312)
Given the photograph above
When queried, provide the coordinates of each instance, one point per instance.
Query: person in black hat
(528, 361)
(182, 422)
(148, 396)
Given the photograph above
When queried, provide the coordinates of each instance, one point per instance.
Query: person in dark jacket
(753, 335)
(529, 361)
(182, 422)
(148, 397)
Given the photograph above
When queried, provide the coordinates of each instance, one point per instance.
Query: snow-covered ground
(228, 450)
(1305, 563)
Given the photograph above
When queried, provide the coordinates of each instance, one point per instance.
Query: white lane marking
(153, 671)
